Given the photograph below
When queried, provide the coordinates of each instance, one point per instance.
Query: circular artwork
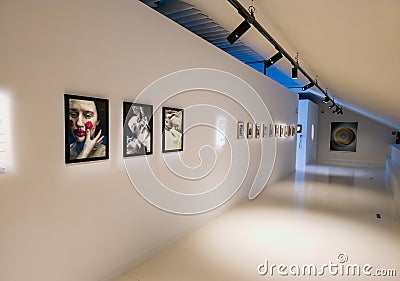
(344, 136)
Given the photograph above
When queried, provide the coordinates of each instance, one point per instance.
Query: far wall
(372, 140)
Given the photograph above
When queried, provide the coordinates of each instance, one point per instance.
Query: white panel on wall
(87, 221)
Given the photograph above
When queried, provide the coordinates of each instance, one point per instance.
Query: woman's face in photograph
(82, 116)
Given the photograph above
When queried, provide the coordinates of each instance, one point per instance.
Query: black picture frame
(137, 129)
(80, 112)
(172, 129)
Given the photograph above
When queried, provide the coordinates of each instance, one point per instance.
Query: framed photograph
(344, 136)
(271, 130)
(293, 131)
(265, 130)
(86, 128)
(258, 130)
(250, 130)
(277, 130)
(281, 131)
(138, 129)
(172, 129)
(240, 130)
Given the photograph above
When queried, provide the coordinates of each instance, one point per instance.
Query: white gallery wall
(307, 140)
(87, 221)
(372, 140)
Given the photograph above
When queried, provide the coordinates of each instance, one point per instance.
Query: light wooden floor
(308, 218)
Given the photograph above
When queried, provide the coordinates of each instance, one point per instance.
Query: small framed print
(250, 130)
(138, 129)
(258, 131)
(86, 128)
(172, 129)
(240, 130)
(286, 133)
(277, 130)
(293, 131)
(281, 131)
(265, 130)
(299, 128)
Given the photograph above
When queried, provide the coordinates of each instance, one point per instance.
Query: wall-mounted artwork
(86, 128)
(240, 130)
(343, 136)
(258, 131)
(293, 130)
(277, 130)
(281, 130)
(299, 128)
(172, 129)
(138, 129)
(271, 130)
(265, 130)
(250, 130)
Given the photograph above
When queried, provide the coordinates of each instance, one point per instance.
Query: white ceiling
(353, 46)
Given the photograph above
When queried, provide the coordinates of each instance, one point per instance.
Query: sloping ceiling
(352, 46)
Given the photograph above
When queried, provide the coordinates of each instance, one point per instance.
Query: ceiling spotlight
(326, 99)
(308, 86)
(239, 31)
(332, 106)
(294, 73)
(272, 60)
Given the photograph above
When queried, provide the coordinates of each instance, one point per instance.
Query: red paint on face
(89, 125)
(71, 123)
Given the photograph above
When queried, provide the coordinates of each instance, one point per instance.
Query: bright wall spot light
(6, 152)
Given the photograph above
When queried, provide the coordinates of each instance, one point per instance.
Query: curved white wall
(86, 221)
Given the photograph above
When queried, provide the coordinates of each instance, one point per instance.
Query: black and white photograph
(240, 130)
(138, 129)
(86, 128)
(172, 129)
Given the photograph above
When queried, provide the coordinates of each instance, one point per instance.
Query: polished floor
(327, 223)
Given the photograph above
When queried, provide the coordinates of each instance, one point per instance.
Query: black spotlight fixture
(332, 106)
(239, 31)
(308, 86)
(326, 99)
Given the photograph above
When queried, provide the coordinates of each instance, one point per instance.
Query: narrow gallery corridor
(326, 215)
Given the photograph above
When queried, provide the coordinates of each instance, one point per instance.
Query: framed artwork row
(250, 130)
(86, 123)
